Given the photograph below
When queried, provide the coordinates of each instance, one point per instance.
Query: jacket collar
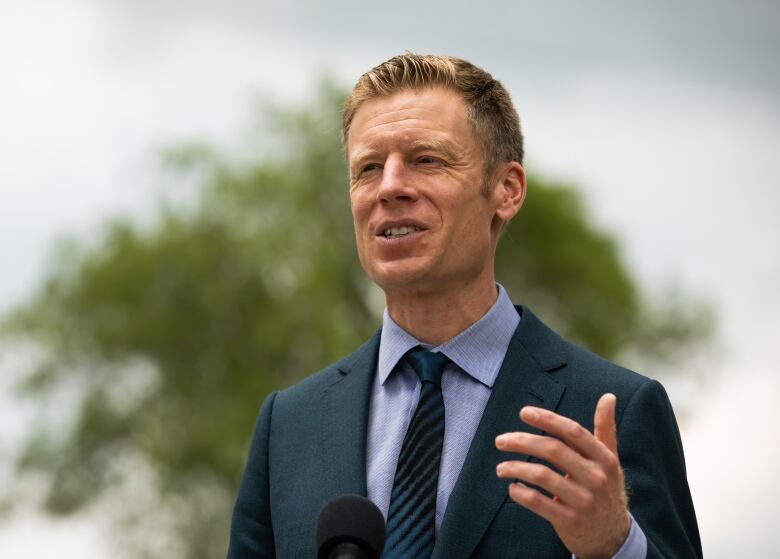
(523, 380)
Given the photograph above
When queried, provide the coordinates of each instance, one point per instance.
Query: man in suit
(435, 151)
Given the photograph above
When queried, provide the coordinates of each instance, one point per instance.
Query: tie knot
(427, 364)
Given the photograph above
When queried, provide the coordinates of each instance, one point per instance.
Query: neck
(435, 316)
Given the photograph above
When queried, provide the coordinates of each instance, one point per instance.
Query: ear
(509, 191)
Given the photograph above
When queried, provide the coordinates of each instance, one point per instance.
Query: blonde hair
(489, 107)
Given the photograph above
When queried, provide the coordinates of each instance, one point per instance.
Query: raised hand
(588, 508)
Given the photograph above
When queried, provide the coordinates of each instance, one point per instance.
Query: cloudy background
(666, 114)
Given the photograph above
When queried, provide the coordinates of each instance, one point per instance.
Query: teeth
(400, 231)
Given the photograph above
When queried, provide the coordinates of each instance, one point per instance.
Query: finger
(574, 434)
(555, 512)
(542, 476)
(604, 422)
(549, 449)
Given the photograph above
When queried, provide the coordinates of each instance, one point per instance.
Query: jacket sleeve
(251, 532)
(651, 454)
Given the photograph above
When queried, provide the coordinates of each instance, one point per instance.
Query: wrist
(616, 543)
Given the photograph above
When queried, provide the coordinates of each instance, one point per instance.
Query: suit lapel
(523, 380)
(344, 422)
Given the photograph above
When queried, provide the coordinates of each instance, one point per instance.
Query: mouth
(398, 232)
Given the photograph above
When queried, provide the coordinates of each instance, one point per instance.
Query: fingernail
(530, 413)
(501, 441)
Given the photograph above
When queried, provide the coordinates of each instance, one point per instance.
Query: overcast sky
(667, 115)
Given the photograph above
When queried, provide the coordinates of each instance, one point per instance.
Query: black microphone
(350, 527)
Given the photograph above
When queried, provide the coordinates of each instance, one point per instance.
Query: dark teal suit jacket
(309, 446)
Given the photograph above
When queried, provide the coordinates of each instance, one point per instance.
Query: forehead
(409, 115)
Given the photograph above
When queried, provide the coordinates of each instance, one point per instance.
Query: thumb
(604, 422)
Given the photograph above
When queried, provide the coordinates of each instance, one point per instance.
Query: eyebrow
(448, 149)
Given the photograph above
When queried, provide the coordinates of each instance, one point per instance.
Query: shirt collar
(479, 349)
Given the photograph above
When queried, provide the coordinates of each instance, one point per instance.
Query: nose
(395, 185)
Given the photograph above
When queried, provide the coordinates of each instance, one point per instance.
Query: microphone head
(350, 519)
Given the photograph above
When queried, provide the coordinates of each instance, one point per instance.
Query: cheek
(471, 240)
(363, 237)
(471, 222)
(358, 221)
(361, 208)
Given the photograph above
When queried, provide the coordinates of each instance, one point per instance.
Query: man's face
(421, 220)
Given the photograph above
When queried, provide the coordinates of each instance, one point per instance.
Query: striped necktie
(411, 519)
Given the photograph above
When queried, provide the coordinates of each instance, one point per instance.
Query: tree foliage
(171, 334)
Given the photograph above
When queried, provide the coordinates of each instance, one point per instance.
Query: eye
(367, 168)
(426, 160)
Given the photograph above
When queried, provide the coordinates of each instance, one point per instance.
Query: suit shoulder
(589, 376)
(361, 361)
(589, 367)
(570, 363)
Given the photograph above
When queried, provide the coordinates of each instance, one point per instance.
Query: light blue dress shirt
(476, 354)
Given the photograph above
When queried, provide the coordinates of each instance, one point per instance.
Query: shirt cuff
(635, 546)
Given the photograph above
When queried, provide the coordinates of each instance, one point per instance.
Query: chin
(404, 277)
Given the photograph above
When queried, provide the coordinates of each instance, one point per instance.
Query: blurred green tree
(168, 336)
